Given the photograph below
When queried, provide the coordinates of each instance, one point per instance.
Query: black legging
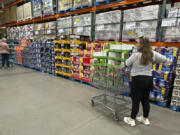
(5, 60)
(140, 90)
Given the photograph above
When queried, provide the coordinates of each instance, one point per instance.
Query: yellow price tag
(175, 53)
(78, 20)
(62, 5)
(154, 66)
(163, 91)
(153, 48)
(130, 33)
(39, 28)
(79, 0)
(160, 67)
(45, 6)
(47, 25)
(165, 75)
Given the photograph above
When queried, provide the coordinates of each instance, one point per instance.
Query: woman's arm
(131, 59)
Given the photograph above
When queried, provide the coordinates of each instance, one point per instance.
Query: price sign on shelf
(130, 25)
(100, 27)
(80, 29)
(169, 22)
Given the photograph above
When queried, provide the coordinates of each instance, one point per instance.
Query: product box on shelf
(82, 20)
(12, 14)
(65, 22)
(48, 7)
(27, 9)
(82, 3)
(64, 5)
(36, 8)
(20, 13)
(142, 13)
(133, 30)
(108, 17)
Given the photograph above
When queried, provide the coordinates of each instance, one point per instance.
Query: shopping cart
(112, 82)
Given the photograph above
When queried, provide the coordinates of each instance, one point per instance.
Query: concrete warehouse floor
(33, 103)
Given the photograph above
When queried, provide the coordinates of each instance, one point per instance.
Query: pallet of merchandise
(80, 80)
(103, 2)
(175, 108)
(64, 6)
(82, 4)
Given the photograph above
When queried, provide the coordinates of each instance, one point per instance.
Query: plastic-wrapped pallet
(82, 24)
(85, 31)
(39, 30)
(64, 5)
(82, 20)
(65, 22)
(142, 13)
(172, 25)
(163, 74)
(27, 9)
(81, 3)
(108, 17)
(107, 32)
(132, 30)
(64, 25)
(37, 12)
(48, 7)
(106, 27)
(175, 100)
(50, 30)
(20, 13)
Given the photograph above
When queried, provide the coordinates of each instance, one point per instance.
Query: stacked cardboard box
(20, 13)
(108, 25)
(163, 74)
(47, 56)
(64, 26)
(82, 24)
(65, 5)
(172, 25)
(37, 8)
(82, 3)
(39, 31)
(50, 30)
(48, 7)
(175, 100)
(27, 10)
(82, 62)
(140, 22)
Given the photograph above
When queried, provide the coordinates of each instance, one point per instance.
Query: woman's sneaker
(143, 120)
(129, 121)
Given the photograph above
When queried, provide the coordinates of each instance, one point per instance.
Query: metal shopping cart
(112, 81)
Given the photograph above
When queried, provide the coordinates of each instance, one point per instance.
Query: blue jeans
(5, 60)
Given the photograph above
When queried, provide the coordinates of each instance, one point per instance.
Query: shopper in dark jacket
(142, 80)
(4, 51)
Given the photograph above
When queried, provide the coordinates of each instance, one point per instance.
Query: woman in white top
(142, 80)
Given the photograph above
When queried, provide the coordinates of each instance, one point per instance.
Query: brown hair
(145, 49)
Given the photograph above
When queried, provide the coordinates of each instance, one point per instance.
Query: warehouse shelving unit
(123, 5)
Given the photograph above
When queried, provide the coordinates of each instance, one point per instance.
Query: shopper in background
(4, 51)
(142, 80)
